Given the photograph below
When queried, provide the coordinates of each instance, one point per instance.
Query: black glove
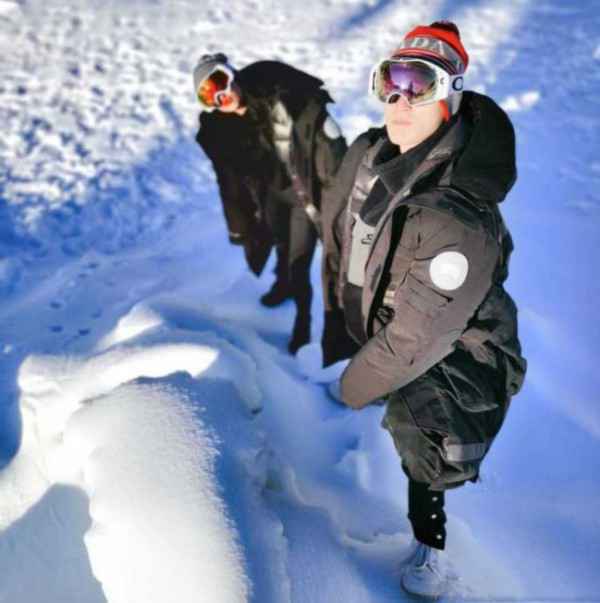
(335, 341)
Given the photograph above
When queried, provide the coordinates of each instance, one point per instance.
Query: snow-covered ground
(156, 441)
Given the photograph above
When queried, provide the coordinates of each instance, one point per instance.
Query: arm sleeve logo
(448, 270)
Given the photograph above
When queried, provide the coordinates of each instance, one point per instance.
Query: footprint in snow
(84, 332)
(353, 443)
(55, 305)
(56, 328)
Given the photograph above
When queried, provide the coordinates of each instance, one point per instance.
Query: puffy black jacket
(449, 203)
(243, 149)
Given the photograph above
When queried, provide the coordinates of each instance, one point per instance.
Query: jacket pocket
(421, 297)
(470, 385)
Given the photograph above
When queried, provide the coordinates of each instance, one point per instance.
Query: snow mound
(310, 364)
(125, 429)
(148, 467)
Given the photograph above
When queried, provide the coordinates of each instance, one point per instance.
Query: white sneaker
(425, 574)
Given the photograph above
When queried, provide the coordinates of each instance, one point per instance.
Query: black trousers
(443, 424)
(295, 239)
(426, 514)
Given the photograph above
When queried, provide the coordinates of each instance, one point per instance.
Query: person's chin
(399, 139)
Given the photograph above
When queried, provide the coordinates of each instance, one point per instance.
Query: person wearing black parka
(275, 149)
(414, 265)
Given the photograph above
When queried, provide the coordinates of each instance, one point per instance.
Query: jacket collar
(395, 169)
(477, 145)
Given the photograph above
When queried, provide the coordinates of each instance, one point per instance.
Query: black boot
(277, 294)
(300, 334)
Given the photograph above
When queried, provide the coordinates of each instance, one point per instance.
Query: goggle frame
(445, 83)
(227, 90)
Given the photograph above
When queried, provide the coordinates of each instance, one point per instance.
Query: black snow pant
(426, 514)
(295, 239)
(443, 424)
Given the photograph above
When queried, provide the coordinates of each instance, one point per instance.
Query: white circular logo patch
(448, 270)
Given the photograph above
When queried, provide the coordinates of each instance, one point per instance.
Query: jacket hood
(486, 166)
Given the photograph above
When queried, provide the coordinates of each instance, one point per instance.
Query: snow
(164, 514)
(156, 441)
(521, 102)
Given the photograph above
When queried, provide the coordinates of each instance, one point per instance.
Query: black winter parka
(243, 153)
(449, 203)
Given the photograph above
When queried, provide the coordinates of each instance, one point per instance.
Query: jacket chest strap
(305, 200)
(362, 239)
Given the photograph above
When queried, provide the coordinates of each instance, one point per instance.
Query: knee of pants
(303, 299)
(422, 465)
(436, 472)
(421, 452)
(421, 460)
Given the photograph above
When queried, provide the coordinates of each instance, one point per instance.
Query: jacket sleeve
(330, 149)
(237, 197)
(239, 207)
(427, 318)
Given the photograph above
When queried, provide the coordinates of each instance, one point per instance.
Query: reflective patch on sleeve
(448, 270)
(331, 129)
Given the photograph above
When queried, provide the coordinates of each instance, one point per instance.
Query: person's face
(231, 102)
(408, 126)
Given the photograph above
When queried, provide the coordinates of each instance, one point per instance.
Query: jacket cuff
(236, 238)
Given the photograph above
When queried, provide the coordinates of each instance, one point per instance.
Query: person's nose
(402, 104)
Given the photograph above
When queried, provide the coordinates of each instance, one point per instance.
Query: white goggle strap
(373, 76)
(456, 83)
(447, 84)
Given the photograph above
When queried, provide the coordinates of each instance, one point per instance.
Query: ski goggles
(215, 89)
(419, 82)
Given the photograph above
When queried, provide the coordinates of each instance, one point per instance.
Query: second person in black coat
(275, 150)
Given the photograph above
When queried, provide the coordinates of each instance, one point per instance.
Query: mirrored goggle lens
(214, 88)
(414, 80)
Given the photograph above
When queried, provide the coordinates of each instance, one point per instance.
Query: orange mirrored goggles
(215, 90)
